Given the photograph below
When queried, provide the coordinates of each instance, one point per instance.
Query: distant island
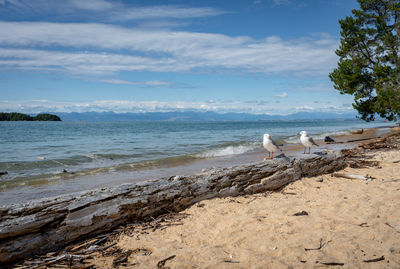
(13, 116)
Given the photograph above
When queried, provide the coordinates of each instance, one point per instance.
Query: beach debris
(301, 213)
(393, 180)
(361, 163)
(392, 227)
(122, 257)
(352, 176)
(64, 259)
(364, 224)
(382, 258)
(398, 161)
(289, 193)
(333, 263)
(161, 263)
(231, 261)
(200, 205)
(358, 131)
(2, 173)
(328, 139)
(320, 180)
(320, 245)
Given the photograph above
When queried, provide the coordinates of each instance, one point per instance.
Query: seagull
(270, 146)
(307, 141)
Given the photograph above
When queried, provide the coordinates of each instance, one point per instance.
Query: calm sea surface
(46, 158)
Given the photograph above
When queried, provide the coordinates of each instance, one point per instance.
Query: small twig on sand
(231, 261)
(291, 193)
(392, 227)
(332, 263)
(393, 180)
(161, 263)
(123, 257)
(351, 176)
(96, 248)
(382, 258)
(318, 248)
(398, 161)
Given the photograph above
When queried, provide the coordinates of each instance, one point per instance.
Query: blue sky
(254, 56)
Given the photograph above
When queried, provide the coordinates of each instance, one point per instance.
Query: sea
(44, 159)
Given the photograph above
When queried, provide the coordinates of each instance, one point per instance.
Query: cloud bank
(93, 49)
(124, 106)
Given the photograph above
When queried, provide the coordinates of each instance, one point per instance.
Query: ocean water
(39, 155)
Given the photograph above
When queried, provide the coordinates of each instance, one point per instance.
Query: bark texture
(47, 224)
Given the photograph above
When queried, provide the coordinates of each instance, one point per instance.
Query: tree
(46, 117)
(369, 63)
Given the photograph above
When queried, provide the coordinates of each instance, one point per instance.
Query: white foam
(227, 151)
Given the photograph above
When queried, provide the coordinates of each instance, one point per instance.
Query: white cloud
(282, 95)
(175, 12)
(152, 83)
(123, 106)
(100, 10)
(160, 50)
(304, 108)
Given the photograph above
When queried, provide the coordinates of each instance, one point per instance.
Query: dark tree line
(14, 116)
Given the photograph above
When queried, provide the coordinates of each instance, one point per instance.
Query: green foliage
(369, 64)
(47, 117)
(23, 117)
(15, 117)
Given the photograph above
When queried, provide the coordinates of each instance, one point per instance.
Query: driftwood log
(47, 224)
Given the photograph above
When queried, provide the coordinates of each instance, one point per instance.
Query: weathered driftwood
(45, 224)
(351, 176)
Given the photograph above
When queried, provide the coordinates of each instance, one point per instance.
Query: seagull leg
(309, 150)
(272, 156)
(304, 150)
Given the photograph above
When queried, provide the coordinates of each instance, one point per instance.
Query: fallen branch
(161, 263)
(351, 176)
(382, 258)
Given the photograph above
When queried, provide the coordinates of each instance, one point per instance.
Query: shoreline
(205, 201)
(70, 183)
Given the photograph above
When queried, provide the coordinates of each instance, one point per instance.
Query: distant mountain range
(196, 116)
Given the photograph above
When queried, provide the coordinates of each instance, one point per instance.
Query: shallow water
(95, 154)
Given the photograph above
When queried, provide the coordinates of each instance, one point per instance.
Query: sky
(251, 56)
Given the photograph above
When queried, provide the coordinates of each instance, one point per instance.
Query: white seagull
(270, 146)
(307, 141)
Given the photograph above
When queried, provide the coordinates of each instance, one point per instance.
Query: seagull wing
(312, 141)
(276, 145)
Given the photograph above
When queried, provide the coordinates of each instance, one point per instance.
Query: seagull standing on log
(270, 146)
(307, 141)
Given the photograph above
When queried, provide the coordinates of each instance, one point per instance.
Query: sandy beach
(323, 221)
(348, 223)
